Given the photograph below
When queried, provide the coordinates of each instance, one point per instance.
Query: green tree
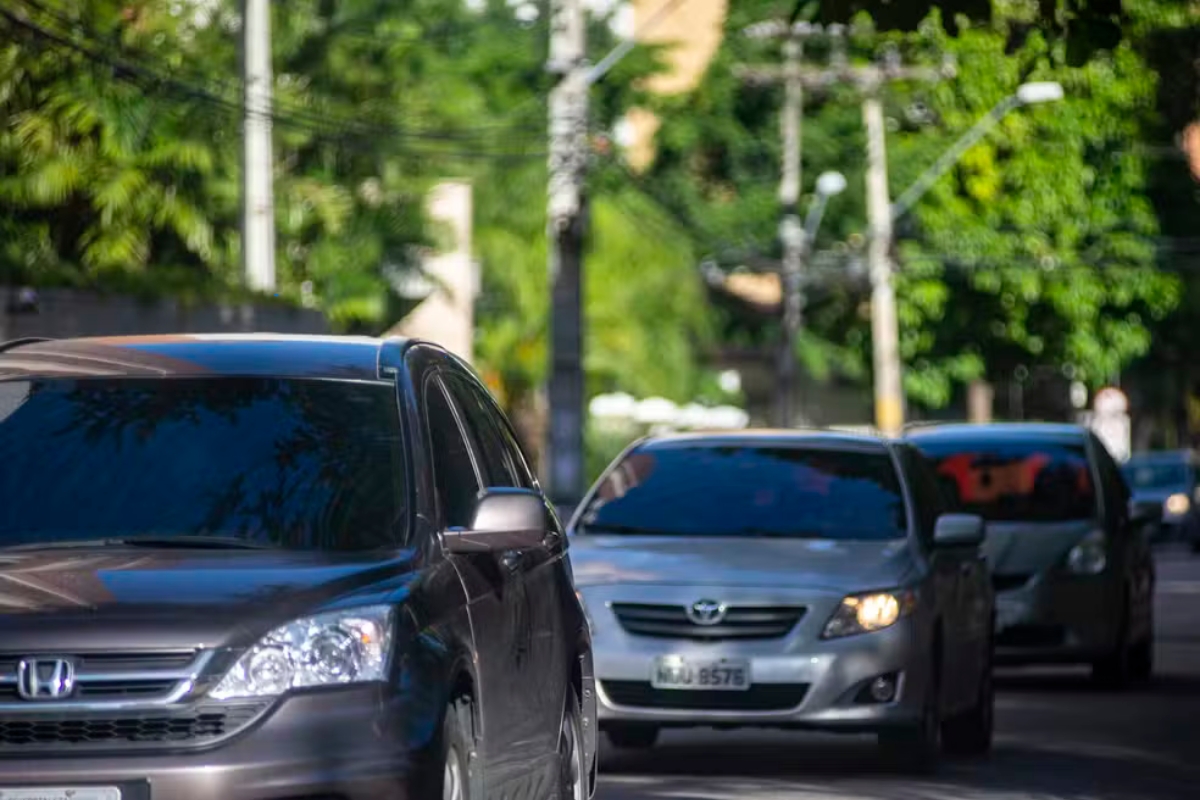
(1038, 248)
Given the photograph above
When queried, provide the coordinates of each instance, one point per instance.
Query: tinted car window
(928, 495)
(1015, 480)
(488, 432)
(457, 482)
(293, 463)
(737, 490)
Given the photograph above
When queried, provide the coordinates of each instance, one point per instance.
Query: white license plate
(726, 674)
(63, 793)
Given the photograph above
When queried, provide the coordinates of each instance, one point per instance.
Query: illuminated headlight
(1089, 556)
(1177, 504)
(339, 647)
(866, 613)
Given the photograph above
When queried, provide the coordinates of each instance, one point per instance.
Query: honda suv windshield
(750, 491)
(1014, 480)
(298, 464)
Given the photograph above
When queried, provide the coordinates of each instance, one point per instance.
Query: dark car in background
(1166, 483)
(267, 567)
(1073, 572)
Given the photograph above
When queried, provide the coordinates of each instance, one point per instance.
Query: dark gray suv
(278, 567)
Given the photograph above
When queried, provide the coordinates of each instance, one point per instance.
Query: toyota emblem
(706, 612)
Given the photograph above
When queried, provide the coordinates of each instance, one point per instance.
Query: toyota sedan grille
(736, 622)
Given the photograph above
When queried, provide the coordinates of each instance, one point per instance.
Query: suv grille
(20, 735)
(740, 622)
(759, 697)
(117, 676)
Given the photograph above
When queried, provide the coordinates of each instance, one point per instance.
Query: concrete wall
(64, 313)
(447, 314)
(693, 31)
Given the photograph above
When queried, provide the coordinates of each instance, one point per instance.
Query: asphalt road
(1056, 737)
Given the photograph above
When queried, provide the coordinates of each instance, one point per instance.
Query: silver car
(788, 580)
(1071, 561)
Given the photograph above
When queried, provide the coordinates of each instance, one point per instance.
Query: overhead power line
(327, 127)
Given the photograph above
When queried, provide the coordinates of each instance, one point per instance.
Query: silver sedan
(785, 580)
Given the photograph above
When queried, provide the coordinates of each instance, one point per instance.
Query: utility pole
(791, 228)
(258, 201)
(791, 231)
(566, 220)
(885, 328)
(870, 80)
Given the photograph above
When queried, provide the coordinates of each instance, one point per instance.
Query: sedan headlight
(338, 647)
(866, 613)
(1177, 504)
(1090, 556)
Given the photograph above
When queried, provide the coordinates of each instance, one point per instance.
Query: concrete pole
(258, 201)
(885, 330)
(566, 224)
(791, 230)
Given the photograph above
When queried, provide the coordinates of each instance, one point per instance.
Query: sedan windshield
(299, 464)
(750, 491)
(1016, 481)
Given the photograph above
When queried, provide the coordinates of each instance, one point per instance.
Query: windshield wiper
(180, 542)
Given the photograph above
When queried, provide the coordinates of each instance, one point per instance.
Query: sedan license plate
(726, 674)
(62, 793)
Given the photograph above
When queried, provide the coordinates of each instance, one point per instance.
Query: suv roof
(767, 437)
(196, 355)
(1057, 431)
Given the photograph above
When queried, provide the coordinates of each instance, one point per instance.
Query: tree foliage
(1040, 247)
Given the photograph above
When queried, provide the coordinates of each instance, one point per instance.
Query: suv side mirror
(958, 530)
(504, 520)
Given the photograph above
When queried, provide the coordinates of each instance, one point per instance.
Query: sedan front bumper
(1057, 618)
(796, 681)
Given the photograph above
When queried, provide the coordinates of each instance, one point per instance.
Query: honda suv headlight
(1090, 556)
(866, 613)
(335, 648)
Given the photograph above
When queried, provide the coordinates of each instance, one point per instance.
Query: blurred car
(266, 567)
(1167, 481)
(785, 579)
(1074, 578)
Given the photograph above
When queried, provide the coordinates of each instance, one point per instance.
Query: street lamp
(1027, 94)
(798, 243)
(885, 339)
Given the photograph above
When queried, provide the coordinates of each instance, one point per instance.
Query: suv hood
(144, 598)
(796, 563)
(1026, 548)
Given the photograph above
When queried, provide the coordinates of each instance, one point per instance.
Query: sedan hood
(674, 560)
(1026, 548)
(141, 598)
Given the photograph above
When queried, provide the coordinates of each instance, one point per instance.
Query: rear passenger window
(457, 481)
(927, 494)
(489, 434)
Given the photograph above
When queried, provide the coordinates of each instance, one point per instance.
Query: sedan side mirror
(958, 530)
(505, 519)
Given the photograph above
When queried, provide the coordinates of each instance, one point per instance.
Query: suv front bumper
(345, 743)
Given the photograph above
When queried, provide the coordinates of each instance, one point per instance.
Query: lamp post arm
(949, 158)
